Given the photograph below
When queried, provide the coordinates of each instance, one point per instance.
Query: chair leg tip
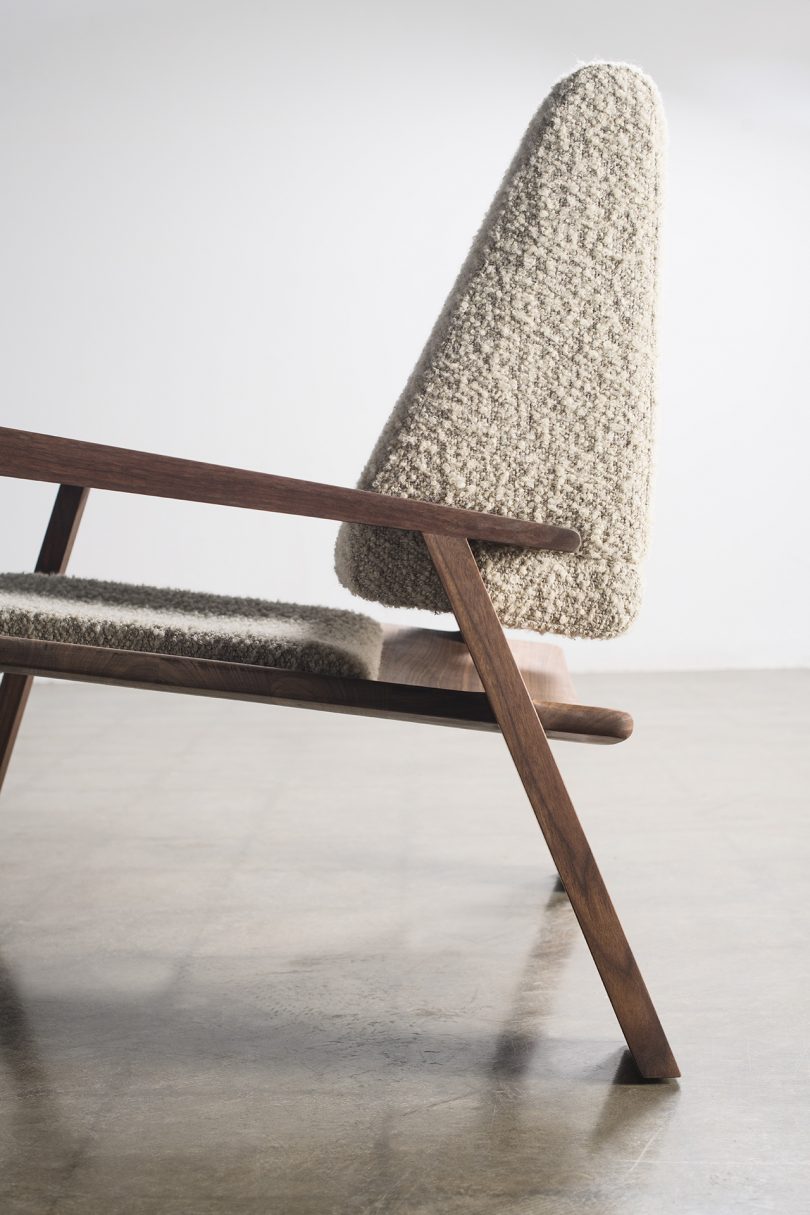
(650, 1071)
(665, 1070)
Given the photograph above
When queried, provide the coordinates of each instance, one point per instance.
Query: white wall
(227, 227)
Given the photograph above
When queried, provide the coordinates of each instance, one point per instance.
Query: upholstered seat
(118, 615)
(534, 395)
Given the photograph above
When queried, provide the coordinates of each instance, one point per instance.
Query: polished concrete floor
(258, 960)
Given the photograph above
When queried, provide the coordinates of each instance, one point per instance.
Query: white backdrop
(227, 228)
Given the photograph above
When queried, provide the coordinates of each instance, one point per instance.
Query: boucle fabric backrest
(534, 395)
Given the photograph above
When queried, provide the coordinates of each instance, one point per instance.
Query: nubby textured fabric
(161, 620)
(534, 395)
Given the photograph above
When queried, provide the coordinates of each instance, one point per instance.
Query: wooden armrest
(36, 457)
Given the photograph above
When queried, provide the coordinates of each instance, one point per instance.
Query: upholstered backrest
(534, 395)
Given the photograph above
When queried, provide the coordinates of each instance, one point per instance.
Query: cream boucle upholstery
(534, 395)
(84, 611)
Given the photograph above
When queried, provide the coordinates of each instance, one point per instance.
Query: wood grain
(439, 658)
(39, 457)
(555, 813)
(14, 693)
(54, 555)
(63, 526)
(271, 685)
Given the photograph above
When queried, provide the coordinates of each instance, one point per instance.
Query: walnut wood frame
(504, 704)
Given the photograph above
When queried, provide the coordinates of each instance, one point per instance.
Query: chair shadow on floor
(518, 1125)
(39, 1137)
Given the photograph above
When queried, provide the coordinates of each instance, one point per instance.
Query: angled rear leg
(555, 813)
(60, 535)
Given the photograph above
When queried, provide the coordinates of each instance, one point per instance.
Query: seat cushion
(160, 620)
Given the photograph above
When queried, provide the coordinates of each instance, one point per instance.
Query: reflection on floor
(259, 960)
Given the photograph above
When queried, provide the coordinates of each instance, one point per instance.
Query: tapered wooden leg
(569, 847)
(14, 691)
(57, 544)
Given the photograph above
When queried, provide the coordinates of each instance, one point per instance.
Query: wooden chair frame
(505, 703)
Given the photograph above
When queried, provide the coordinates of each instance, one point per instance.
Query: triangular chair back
(534, 395)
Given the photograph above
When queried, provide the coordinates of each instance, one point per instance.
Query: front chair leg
(14, 690)
(555, 813)
(57, 544)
